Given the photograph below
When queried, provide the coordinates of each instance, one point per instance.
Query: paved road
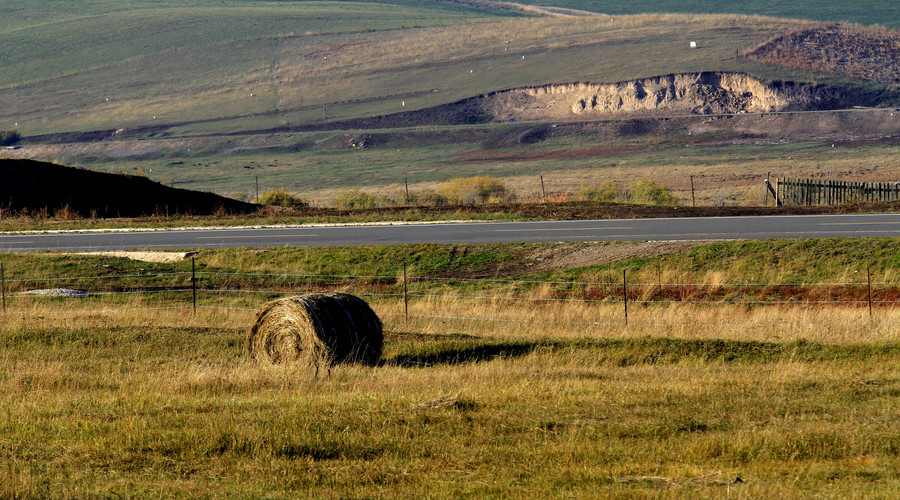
(593, 230)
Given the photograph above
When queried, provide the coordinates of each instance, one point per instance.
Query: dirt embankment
(693, 93)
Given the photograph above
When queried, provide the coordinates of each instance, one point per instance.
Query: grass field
(706, 400)
(193, 70)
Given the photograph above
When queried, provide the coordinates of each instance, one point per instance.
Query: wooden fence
(820, 192)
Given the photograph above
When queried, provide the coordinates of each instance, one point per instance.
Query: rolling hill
(214, 95)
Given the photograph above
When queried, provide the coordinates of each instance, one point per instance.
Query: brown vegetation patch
(867, 53)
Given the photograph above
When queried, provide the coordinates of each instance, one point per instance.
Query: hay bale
(317, 329)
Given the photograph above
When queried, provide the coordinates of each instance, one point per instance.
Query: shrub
(354, 198)
(473, 190)
(9, 137)
(281, 198)
(609, 192)
(650, 193)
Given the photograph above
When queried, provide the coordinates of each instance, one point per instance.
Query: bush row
(480, 190)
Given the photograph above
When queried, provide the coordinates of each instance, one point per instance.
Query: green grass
(772, 262)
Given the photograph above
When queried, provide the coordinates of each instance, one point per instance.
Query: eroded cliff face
(692, 93)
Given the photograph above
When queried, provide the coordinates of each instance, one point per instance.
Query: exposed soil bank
(693, 93)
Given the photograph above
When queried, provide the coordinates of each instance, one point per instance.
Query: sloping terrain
(34, 186)
(867, 53)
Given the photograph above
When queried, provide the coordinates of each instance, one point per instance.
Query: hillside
(316, 97)
(33, 186)
(339, 61)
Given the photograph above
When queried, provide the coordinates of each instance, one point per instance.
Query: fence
(394, 294)
(820, 192)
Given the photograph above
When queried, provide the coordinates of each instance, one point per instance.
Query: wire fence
(246, 291)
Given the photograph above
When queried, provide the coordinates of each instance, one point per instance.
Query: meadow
(107, 396)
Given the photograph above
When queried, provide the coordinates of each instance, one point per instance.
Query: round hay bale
(318, 329)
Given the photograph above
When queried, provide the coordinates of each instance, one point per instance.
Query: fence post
(625, 293)
(406, 185)
(3, 285)
(543, 192)
(405, 296)
(869, 279)
(194, 282)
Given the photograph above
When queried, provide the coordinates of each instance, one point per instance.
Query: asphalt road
(703, 228)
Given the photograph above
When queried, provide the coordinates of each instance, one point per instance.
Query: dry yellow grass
(504, 319)
(163, 403)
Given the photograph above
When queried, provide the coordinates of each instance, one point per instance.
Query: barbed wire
(456, 279)
(612, 299)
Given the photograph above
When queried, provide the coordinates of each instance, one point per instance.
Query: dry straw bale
(317, 329)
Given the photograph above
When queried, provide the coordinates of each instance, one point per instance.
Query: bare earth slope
(690, 93)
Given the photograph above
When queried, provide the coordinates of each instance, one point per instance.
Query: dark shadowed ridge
(33, 186)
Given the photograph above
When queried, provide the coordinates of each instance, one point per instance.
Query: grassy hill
(202, 67)
(195, 90)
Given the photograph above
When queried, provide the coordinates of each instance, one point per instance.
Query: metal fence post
(625, 293)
